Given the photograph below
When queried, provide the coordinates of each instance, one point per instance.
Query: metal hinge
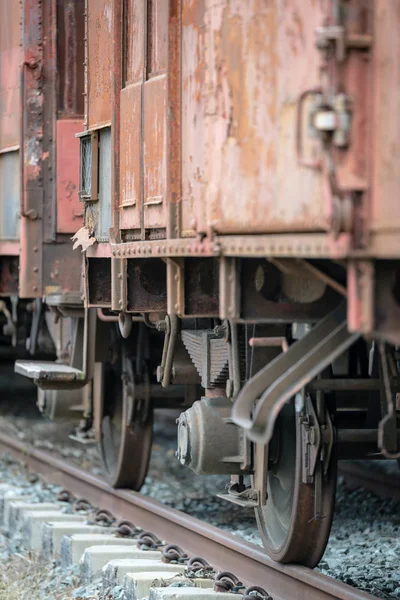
(335, 35)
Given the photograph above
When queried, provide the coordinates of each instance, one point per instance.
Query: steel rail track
(381, 484)
(221, 549)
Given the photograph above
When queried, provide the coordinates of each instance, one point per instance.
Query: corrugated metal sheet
(10, 177)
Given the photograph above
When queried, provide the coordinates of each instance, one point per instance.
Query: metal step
(50, 375)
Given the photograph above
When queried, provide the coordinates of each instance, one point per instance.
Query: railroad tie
(115, 570)
(34, 521)
(73, 546)
(52, 534)
(96, 557)
(137, 585)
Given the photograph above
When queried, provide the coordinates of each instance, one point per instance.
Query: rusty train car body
(240, 243)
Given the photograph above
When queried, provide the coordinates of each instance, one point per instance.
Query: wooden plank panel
(10, 69)
(154, 152)
(99, 61)
(130, 153)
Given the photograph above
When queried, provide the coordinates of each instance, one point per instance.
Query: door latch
(334, 120)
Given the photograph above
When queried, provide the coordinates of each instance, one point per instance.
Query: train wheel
(126, 428)
(295, 521)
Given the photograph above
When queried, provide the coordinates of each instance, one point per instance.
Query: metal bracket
(175, 286)
(336, 35)
(317, 440)
(229, 288)
(164, 371)
(288, 373)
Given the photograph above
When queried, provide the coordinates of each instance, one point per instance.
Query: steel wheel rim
(281, 483)
(303, 539)
(125, 445)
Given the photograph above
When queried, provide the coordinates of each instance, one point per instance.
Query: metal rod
(270, 342)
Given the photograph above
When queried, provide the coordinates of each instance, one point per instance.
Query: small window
(89, 168)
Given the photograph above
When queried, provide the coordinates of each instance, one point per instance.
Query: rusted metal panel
(99, 281)
(174, 146)
(49, 92)
(136, 11)
(385, 210)
(146, 285)
(154, 152)
(70, 56)
(8, 275)
(10, 73)
(262, 57)
(157, 37)
(99, 56)
(143, 114)
(193, 112)
(10, 176)
(30, 284)
(130, 157)
(61, 268)
(104, 185)
(69, 208)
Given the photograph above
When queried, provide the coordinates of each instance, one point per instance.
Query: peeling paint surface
(99, 61)
(260, 57)
(10, 68)
(386, 117)
(193, 114)
(69, 207)
(130, 152)
(154, 151)
(143, 136)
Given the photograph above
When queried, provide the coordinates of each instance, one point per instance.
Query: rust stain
(99, 61)
(193, 11)
(10, 61)
(241, 70)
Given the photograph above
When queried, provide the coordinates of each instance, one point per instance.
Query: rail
(221, 549)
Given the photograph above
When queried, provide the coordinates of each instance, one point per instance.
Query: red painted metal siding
(99, 34)
(130, 153)
(143, 151)
(69, 207)
(10, 72)
(155, 152)
(260, 57)
(385, 210)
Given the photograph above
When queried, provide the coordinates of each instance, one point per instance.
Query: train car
(241, 246)
(41, 109)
